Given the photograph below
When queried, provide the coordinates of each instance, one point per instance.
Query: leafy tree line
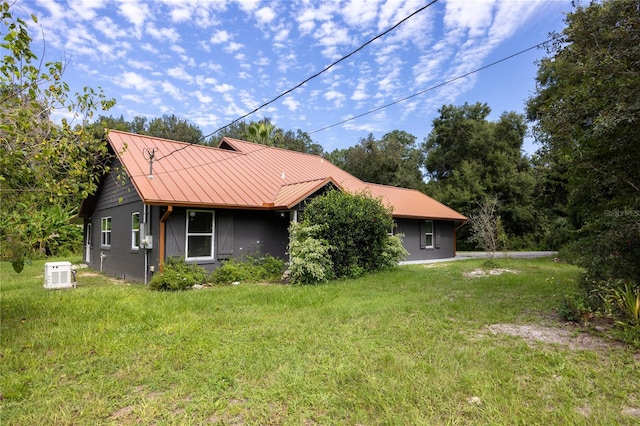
(586, 115)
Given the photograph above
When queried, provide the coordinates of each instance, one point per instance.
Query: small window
(427, 234)
(199, 244)
(135, 231)
(105, 231)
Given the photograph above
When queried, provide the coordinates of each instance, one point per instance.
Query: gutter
(161, 243)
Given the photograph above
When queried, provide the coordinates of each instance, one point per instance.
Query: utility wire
(431, 88)
(313, 76)
(373, 110)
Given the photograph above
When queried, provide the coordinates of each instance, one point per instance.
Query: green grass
(405, 347)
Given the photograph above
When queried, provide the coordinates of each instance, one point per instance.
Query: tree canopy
(586, 114)
(586, 109)
(395, 159)
(44, 166)
(469, 158)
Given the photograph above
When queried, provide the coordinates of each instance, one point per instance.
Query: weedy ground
(421, 344)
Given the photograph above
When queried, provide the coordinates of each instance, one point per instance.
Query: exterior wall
(443, 239)
(250, 232)
(118, 201)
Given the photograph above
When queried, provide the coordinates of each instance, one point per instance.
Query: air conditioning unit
(58, 275)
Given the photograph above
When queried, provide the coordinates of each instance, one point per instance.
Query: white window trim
(135, 232)
(428, 233)
(199, 234)
(105, 232)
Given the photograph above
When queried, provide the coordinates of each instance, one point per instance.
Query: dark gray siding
(117, 199)
(237, 233)
(443, 244)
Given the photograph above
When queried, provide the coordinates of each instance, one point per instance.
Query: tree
(393, 160)
(586, 114)
(266, 133)
(486, 227)
(469, 158)
(43, 165)
(166, 127)
(586, 109)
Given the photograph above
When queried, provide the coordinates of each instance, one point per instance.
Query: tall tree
(393, 160)
(43, 165)
(586, 108)
(586, 111)
(469, 158)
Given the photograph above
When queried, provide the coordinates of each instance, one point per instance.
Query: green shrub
(178, 275)
(393, 251)
(251, 268)
(310, 259)
(357, 227)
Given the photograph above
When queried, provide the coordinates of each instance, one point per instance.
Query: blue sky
(213, 61)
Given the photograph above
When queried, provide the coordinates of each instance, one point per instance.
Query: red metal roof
(247, 175)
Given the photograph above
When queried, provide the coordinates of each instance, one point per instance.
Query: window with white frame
(199, 245)
(105, 231)
(135, 230)
(427, 234)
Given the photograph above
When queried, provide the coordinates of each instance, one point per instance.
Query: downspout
(454, 236)
(161, 237)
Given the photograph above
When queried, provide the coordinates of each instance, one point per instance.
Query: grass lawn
(410, 346)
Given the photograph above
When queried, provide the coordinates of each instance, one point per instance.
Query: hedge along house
(163, 198)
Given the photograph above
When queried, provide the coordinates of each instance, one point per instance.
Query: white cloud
(181, 14)
(281, 36)
(202, 98)
(265, 15)
(472, 17)
(108, 28)
(133, 98)
(149, 48)
(85, 9)
(329, 34)
(233, 47)
(179, 73)
(133, 80)
(205, 81)
(162, 34)
(248, 5)
(359, 13)
(141, 65)
(223, 88)
(135, 12)
(172, 90)
(336, 97)
(220, 37)
(291, 103)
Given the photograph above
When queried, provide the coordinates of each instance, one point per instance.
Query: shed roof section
(246, 175)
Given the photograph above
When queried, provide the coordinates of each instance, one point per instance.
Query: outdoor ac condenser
(58, 275)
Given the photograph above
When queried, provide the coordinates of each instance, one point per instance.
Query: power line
(373, 110)
(313, 76)
(432, 87)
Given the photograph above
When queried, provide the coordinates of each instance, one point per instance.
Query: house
(163, 198)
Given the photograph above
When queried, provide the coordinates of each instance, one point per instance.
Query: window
(135, 231)
(105, 231)
(427, 234)
(199, 235)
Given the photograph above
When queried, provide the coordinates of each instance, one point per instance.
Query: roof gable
(240, 174)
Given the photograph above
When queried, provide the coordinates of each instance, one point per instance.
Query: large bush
(355, 226)
(608, 249)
